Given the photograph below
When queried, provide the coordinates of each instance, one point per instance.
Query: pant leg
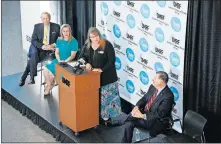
(34, 59)
(129, 128)
(27, 70)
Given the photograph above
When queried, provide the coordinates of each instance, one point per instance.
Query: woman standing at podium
(100, 56)
(66, 49)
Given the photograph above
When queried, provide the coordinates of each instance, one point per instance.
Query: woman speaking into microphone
(100, 57)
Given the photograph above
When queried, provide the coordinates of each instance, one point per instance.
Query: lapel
(42, 31)
(50, 33)
(159, 96)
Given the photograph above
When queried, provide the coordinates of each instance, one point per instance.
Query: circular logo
(118, 3)
(175, 93)
(144, 78)
(158, 67)
(159, 35)
(143, 44)
(130, 21)
(104, 35)
(104, 8)
(175, 24)
(130, 54)
(174, 59)
(130, 86)
(117, 63)
(145, 10)
(116, 31)
(161, 3)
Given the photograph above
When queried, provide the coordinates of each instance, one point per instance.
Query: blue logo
(175, 24)
(144, 78)
(143, 44)
(116, 31)
(161, 3)
(130, 86)
(174, 59)
(130, 21)
(104, 8)
(117, 63)
(104, 35)
(158, 67)
(145, 10)
(118, 3)
(175, 93)
(130, 54)
(159, 35)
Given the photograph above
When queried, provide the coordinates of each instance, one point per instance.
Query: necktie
(151, 101)
(45, 35)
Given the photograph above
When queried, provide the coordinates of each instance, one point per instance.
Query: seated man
(43, 40)
(151, 110)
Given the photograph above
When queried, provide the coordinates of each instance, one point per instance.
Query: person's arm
(57, 54)
(110, 57)
(73, 54)
(35, 39)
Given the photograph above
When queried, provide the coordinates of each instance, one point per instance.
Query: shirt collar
(159, 90)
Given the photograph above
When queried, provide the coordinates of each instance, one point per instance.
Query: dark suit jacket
(38, 35)
(161, 107)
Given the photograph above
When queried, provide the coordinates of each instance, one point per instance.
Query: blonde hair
(47, 13)
(70, 34)
(94, 30)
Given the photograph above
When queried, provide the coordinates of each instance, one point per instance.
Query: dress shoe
(21, 83)
(31, 82)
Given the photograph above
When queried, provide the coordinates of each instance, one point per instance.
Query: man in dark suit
(151, 111)
(43, 41)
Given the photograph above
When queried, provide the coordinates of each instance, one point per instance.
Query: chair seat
(181, 138)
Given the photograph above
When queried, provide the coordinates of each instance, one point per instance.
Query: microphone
(77, 69)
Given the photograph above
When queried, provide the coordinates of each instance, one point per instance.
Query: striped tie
(45, 35)
(151, 101)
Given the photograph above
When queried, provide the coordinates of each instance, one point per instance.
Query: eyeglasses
(94, 36)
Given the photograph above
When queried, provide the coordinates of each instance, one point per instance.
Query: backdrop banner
(147, 36)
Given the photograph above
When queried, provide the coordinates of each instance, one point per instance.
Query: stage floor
(32, 97)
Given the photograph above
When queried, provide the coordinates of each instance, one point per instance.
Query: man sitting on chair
(150, 111)
(43, 41)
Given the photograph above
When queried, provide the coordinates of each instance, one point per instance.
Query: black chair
(192, 128)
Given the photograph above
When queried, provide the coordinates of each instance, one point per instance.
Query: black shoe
(21, 83)
(31, 81)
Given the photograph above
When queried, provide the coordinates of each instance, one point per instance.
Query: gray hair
(163, 76)
(91, 30)
(47, 13)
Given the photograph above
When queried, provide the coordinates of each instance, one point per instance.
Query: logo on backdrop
(143, 44)
(144, 78)
(161, 3)
(131, 4)
(104, 35)
(104, 8)
(174, 59)
(159, 35)
(174, 75)
(175, 93)
(176, 5)
(131, 21)
(117, 3)
(130, 86)
(129, 36)
(175, 24)
(175, 41)
(115, 13)
(158, 50)
(117, 63)
(158, 67)
(160, 16)
(130, 54)
(143, 60)
(145, 11)
(116, 31)
(144, 26)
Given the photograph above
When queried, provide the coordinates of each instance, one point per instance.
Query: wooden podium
(78, 98)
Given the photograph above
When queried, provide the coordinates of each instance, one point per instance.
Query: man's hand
(97, 70)
(50, 47)
(136, 113)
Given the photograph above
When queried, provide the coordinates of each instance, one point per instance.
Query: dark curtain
(202, 68)
(80, 14)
